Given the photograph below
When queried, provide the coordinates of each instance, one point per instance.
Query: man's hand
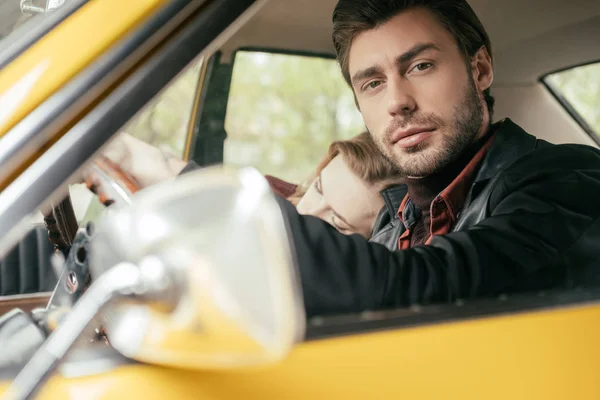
(145, 163)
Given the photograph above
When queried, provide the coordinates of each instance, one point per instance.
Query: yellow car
(246, 83)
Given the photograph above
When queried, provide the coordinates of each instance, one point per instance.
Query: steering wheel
(112, 185)
(106, 180)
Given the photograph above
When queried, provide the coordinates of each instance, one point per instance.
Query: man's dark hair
(352, 17)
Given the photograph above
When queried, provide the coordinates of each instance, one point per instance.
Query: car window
(163, 123)
(578, 89)
(283, 112)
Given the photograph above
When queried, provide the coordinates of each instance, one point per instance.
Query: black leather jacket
(388, 227)
(510, 144)
(531, 221)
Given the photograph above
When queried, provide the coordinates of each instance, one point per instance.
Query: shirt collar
(455, 193)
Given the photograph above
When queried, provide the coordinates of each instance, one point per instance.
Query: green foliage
(164, 122)
(581, 88)
(284, 111)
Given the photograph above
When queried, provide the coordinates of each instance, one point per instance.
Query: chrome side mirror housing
(217, 243)
(197, 272)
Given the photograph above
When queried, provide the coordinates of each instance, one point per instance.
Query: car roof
(529, 37)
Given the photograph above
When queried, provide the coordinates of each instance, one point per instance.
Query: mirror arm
(121, 280)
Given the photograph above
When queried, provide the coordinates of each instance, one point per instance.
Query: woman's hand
(145, 163)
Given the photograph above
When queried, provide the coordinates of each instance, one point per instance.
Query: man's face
(416, 94)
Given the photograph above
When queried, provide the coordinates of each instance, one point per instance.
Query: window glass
(579, 87)
(163, 123)
(284, 111)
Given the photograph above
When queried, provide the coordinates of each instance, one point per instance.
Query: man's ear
(482, 69)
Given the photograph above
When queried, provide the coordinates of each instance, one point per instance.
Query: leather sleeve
(542, 231)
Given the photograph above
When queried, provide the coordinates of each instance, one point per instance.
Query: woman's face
(343, 199)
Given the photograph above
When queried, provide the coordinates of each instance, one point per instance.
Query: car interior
(531, 40)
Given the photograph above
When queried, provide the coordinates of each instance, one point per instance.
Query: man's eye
(422, 66)
(372, 85)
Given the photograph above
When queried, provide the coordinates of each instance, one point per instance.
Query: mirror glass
(232, 297)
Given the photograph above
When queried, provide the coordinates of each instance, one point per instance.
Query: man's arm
(541, 233)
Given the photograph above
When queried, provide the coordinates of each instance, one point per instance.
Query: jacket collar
(393, 197)
(510, 144)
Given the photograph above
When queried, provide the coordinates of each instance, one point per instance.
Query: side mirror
(40, 6)
(196, 273)
(226, 282)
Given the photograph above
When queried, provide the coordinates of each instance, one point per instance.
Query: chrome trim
(81, 361)
(61, 296)
(21, 39)
(122, 278)
(27, 6)
(46, 178)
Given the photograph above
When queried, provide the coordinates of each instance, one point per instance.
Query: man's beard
(423, 159)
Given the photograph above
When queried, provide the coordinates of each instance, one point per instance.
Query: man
(489, 210)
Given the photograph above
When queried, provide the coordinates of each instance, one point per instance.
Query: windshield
(19, 17)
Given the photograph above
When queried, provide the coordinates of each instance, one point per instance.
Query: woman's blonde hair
(363, 157)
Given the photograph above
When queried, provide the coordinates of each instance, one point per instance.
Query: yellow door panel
(543, 355)
(62, 53)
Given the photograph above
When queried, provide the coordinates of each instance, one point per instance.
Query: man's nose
(400, 97)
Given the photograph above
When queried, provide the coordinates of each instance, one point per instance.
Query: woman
(345, 189)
